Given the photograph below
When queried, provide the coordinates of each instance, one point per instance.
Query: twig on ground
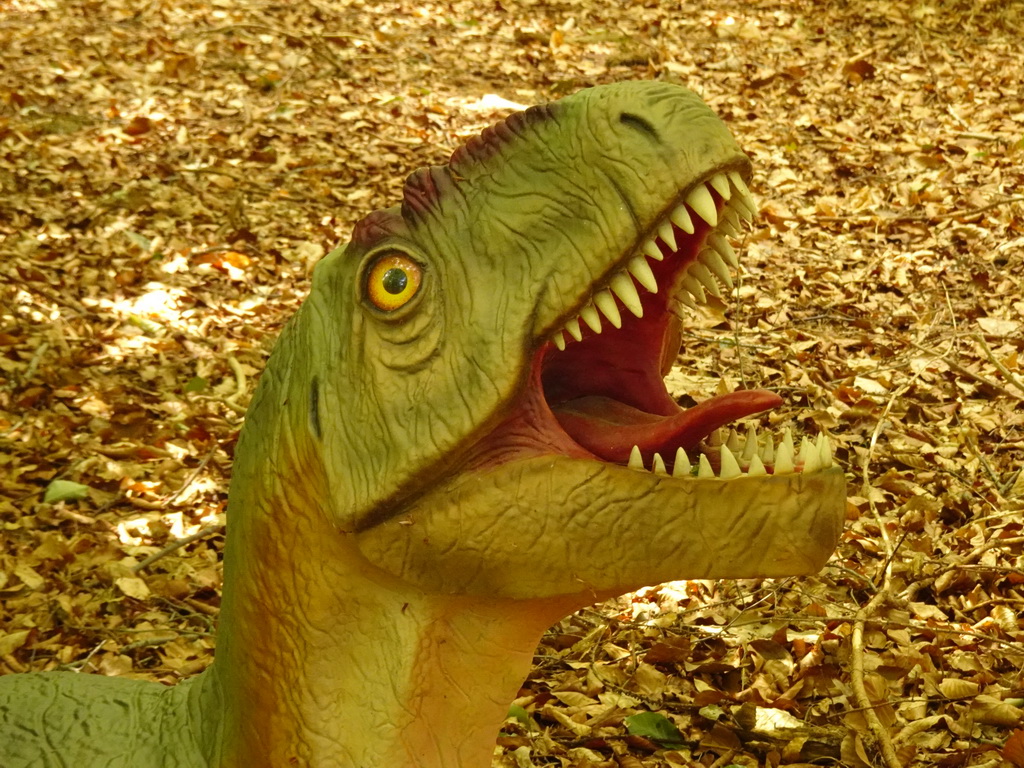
(870, 218)
(191, 478)
(177, 544)
(860, 694)
(879, 732)
(997, 363)
(240, 386)
(968, 373)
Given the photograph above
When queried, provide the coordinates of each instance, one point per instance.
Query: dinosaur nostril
(640, 124)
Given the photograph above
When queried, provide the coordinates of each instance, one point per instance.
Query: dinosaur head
(490, 361)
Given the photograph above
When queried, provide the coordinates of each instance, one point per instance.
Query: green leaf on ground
(655, 727)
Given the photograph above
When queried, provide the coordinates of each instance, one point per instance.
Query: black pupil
(395, 280)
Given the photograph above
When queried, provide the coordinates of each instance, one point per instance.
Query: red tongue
(609, 429)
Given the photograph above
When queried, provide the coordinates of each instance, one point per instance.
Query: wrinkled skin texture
(406, 518)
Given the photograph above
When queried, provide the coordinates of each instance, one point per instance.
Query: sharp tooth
(720, 184)
(738, 182)
(651, 249)
(659, 465)
(704, 467)
(730, 467)
(691, 284)
(641, 270)
(636, 461)
(681, 218)
(784, 458)
(666, 233)
(767, 452)
(715, 438)
(744, 198)
(682, 466)
(703, 274)
(787, 439)
(746, 207)
(730, 224)
(750, 446)
(808, 456)
(722, 247)
(701, 203)
(756, 468)
(591, 317)
(733, 441)
(606, 303)
(717, 266)
(824, 451)
(559, 341)
(622, 286)
(573, 327)
(687, 299)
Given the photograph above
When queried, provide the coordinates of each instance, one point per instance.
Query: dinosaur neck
(323, 660)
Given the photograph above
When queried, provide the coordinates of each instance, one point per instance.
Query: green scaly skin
(419, 493)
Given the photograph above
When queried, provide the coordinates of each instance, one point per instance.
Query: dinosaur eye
(393, 281)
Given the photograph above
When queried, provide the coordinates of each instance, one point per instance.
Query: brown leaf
(138, 125)
(1013, 749)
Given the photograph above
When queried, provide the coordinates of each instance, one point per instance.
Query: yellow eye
(393, 281)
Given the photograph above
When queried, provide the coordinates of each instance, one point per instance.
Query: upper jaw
(604, 367)
(684, 253)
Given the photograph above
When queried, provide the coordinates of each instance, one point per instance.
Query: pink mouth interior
(607, 391)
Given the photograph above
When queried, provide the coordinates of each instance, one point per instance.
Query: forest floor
(171, 171)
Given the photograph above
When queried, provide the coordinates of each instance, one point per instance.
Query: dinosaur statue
(462, 436)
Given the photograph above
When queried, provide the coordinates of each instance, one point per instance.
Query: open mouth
(597, 388)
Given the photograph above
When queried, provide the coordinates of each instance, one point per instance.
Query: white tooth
(717, 266)
(659, 465)
(651, 249)
(746, 207)
(720, 184)
(559, 341)
(784, 458)
(808, 456)
(682, 467)
(691, 284)
(636, 461)
(687, 299)
(704, 467)
(744, 195)
(730, 224)
(767, 452)
(733, 441)
(591, 317)
(738, 182)
(730, 467)
(681, 218)
(606, 304)
(722, 247)
(715, 438)
(728, 228)
(701, 203)
(703, 274)
(573, 327)
(666, 233)
(787, 439)
(641, 270)
(824, 451)
(622, 286)
(750, 446)
(756, 468)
